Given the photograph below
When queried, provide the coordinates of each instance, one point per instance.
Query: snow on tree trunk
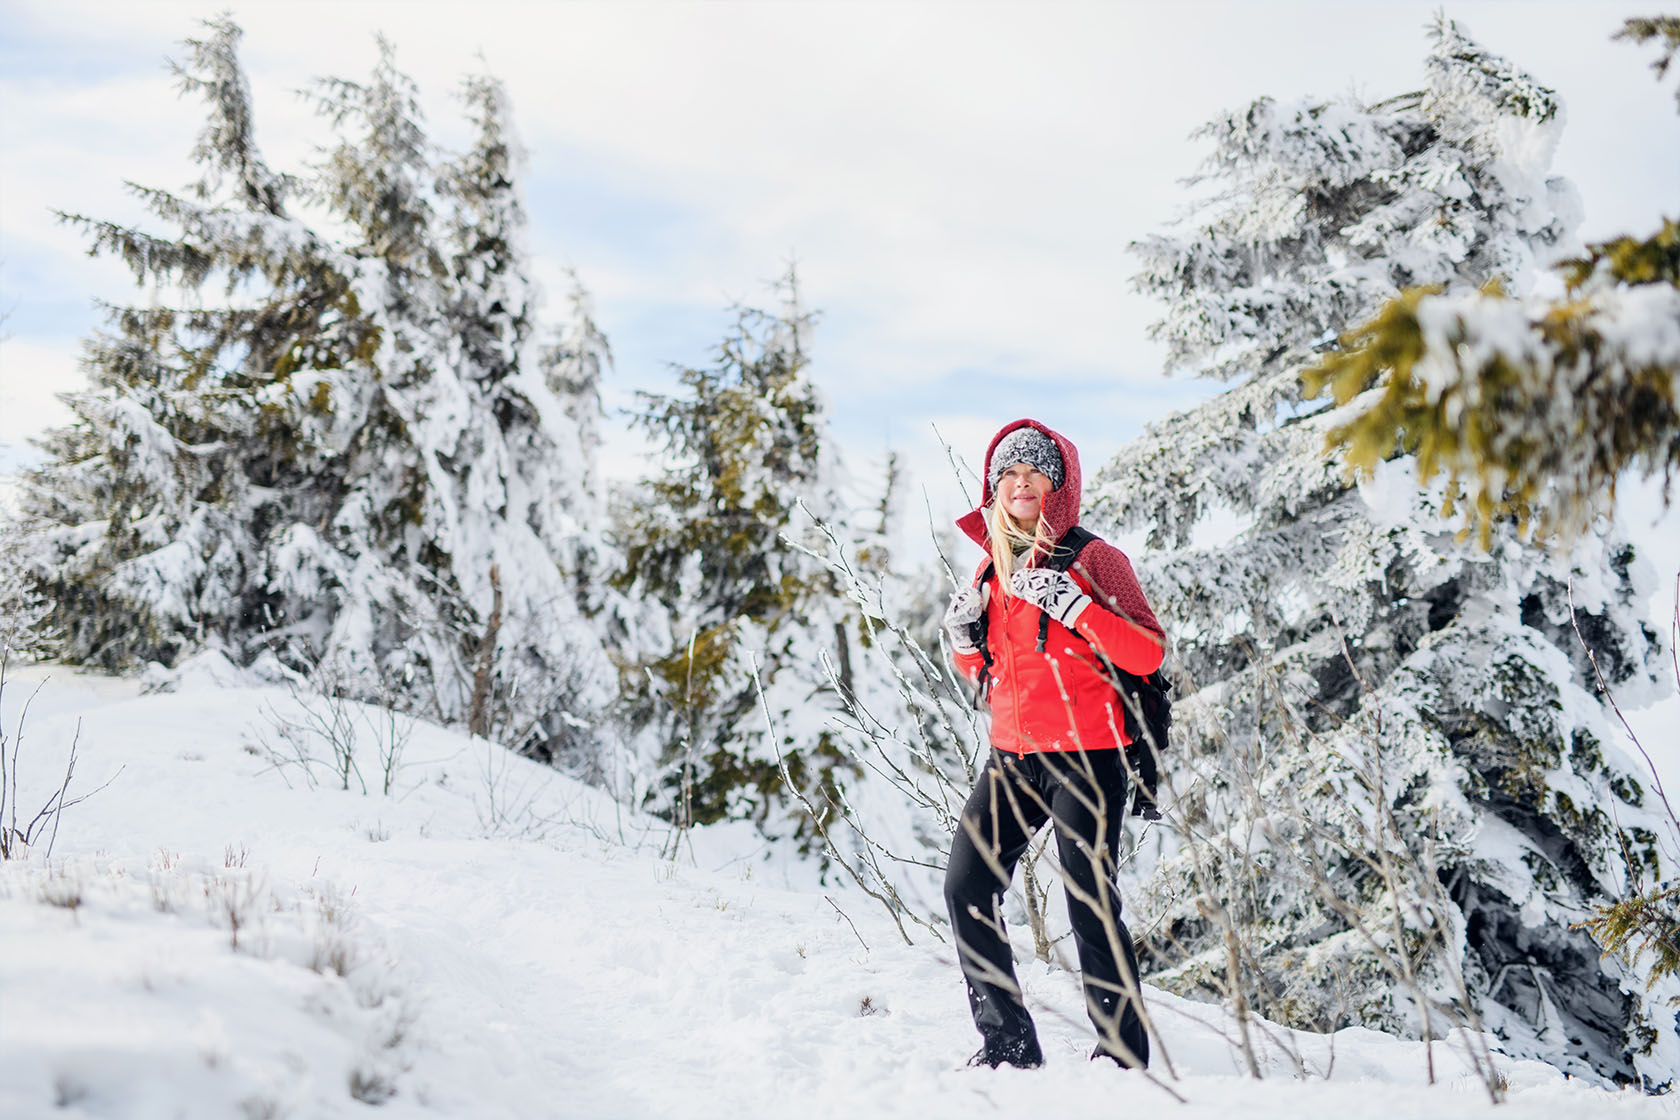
(1396, 797)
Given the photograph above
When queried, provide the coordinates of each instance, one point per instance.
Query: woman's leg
(1088, 806)
(996, 825)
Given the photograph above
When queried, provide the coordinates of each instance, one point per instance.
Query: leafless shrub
(371, 1086)
(335, 948)
(865, 871)
(396, 1027)
(24, 636)
(236, 901)
(162, 880)
(63, 887)
(927, 759)
(262, 1107)
(328, 729)
(507, 805)
(16, 838)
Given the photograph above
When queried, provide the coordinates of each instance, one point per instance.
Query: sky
(957, 183)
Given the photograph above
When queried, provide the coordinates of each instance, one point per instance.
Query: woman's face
(1021, 491)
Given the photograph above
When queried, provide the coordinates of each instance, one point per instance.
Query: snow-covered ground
(219, 933)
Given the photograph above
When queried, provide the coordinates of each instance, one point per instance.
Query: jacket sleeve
(971, 665)
(1125, 629)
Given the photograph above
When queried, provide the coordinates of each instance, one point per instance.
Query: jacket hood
(1061, 507)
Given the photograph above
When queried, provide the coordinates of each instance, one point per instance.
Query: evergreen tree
(573, 368)
(708, 539)
(331, 455)
(1395, 797)
(1532, 408)
(1662, 30)
(1536, 406)
(23, 610)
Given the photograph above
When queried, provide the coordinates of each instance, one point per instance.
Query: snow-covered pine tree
(24, 636)
(1536, 407)
(1662, 30)
(573, 366)
(329, 455)
(1531, 408)
(1396, 795)
(525, 468)
(746, 443)
(146, 493)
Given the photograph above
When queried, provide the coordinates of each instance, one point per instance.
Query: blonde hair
(1004, 535)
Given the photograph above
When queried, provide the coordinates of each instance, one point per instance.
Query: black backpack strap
(978, 629)
(1061, 558)
(1067, 549)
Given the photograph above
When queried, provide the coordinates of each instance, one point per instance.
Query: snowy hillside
(220, 933)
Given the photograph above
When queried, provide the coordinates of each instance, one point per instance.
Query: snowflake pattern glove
(960, 617)
(1052, 592)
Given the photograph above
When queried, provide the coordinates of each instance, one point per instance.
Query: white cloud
(31, 377)
(958, 181)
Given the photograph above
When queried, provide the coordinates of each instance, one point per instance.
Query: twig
(849, 922)
(1592, 658)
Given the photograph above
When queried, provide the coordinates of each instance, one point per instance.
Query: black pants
(1084, 795)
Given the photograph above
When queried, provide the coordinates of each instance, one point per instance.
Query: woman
(1057, 736)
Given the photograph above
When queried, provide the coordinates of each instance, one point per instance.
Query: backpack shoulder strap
(1067, 549)
(981, 626)
(1061, 558)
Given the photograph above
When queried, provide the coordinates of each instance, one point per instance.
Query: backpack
(1145, 702)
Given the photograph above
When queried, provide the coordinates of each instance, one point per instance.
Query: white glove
(965, 610)
(1050, 591)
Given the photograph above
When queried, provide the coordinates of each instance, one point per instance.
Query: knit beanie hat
(1030, 446)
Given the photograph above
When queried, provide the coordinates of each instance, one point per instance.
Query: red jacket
(1061, 699)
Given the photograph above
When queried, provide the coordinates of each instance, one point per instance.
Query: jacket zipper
(1013, 677)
